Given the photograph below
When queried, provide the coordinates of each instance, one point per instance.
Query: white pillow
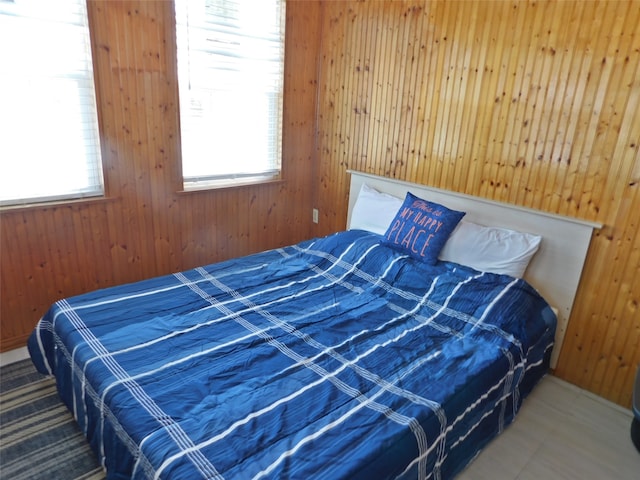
(373, 210)
(491, 249)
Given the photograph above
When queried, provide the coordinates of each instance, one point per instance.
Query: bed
(346, 356)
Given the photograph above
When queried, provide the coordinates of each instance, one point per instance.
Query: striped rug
(38, 437)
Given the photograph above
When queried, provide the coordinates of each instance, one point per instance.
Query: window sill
(76, 202)
(227, 186)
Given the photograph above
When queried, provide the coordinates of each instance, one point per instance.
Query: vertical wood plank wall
(535, 103)
(146, 227)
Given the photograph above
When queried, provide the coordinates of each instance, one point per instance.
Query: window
(50, 146)
(230, 78)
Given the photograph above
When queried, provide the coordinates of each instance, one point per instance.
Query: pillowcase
(373, 210)
(420, 228)
(491, 249)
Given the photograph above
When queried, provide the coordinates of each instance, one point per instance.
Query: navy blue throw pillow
(421, 228)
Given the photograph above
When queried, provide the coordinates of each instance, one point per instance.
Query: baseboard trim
(13, 356)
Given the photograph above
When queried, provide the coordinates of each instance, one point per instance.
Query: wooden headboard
(555, 269)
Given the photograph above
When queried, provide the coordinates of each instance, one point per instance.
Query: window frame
(77, 17)
(216, 179)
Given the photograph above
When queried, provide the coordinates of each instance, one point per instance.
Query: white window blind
(230, 76)
(49, 140)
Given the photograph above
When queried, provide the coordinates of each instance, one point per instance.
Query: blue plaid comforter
(334, 358)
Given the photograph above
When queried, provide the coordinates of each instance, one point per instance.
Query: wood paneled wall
(146, 226)
(535, 103)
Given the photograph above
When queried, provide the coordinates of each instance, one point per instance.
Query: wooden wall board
(533, 103)
(404, 89)
(146, 226)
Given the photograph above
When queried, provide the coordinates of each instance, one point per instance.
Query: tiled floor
(561, 432)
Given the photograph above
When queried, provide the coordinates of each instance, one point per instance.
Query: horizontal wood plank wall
(535, 103)
(146, 227)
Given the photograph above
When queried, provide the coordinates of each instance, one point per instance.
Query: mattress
(338, 357)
